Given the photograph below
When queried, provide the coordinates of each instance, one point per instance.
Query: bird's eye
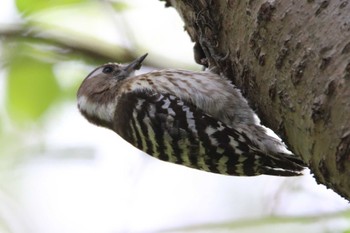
(107, 70)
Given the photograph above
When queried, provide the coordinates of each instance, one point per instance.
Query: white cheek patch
(102, 111)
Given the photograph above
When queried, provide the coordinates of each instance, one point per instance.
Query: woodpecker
(196, 119)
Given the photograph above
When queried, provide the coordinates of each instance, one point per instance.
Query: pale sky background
(119, 189)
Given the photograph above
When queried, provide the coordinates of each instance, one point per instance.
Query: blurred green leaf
(31, 88)
(120, 6)
(30, 6)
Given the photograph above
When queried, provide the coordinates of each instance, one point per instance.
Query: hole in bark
(325, 62)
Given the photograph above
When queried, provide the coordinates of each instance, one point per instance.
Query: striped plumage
(197, 119)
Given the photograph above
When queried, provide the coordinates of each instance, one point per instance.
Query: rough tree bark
(291, 59)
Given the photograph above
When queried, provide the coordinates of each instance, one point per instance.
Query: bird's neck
(98, 111)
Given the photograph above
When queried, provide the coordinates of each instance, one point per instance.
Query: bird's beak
(135, 65)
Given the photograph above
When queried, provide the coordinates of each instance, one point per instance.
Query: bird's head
(97, 93)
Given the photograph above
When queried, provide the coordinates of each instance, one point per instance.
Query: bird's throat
(95, 112)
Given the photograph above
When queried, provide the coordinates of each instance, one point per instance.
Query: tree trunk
(291, 59)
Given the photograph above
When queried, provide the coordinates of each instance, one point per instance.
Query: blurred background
(60, 174)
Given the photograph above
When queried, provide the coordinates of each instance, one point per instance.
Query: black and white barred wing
(171, 130)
